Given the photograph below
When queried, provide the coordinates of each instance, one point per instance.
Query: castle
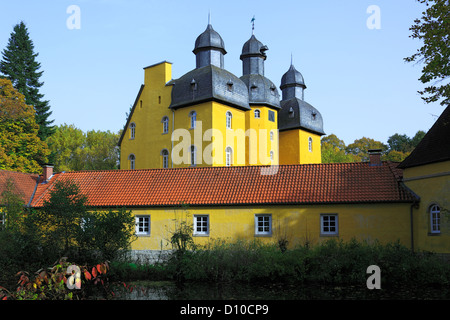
(211, 117)
(230, 158)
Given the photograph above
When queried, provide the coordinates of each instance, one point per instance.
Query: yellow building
(210, 117)
(427, 172)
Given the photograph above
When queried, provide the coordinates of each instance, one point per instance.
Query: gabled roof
(224, 186)
(435, 146)
(24, 183)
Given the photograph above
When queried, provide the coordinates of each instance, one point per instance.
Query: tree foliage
(75, 150)
(20, 147)
(398, 147)
(67, 226)
(433, 28)
(19, 65)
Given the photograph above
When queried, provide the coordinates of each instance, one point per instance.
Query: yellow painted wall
(432, 183)
(294, 147)
(259, 144)
(152, 105)
(297, 224)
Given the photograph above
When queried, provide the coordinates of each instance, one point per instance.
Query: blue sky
(355, 76)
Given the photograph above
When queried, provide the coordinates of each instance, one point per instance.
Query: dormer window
(291, 112)
(313, 115)
(230, 85)
(193, 84)
(272, 89)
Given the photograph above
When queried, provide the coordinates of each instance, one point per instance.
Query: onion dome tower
(295, 112)
(209, 80)
(261, 90)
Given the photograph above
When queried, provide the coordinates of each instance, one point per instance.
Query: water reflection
(206, 291)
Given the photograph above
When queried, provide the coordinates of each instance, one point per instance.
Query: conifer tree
(19, 65)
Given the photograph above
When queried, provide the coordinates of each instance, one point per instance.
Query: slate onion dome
(209, 81)
(295, 112)
(292, 84)
(209, 48)
(260, 89)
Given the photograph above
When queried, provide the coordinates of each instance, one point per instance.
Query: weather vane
(253, 24)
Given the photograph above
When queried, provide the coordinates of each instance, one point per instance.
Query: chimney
(47, 171)
(374, 157)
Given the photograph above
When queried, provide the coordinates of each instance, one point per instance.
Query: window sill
(434, 234)
(329, 235)
(200, 235)
(263, 235)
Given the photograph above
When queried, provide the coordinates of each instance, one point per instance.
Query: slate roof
(225, 186)
(434, 147)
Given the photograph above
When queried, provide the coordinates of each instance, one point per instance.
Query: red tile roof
(25, 183)
(292, 184)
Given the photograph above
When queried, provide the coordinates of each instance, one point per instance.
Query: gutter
(414, 205)
(34, 192)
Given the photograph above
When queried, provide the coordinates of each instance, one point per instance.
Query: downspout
(412, 226)
(171, 138)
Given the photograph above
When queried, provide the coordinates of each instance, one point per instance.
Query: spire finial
(253, 24)
(209, 17)
(291, 60)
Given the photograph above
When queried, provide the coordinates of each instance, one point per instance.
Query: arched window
(132, 130)
(193, 116)
(193, 156)
(165, 158)
(310, 144)
(271, 156)
(229, 117)
(271, 135)
(257, 114)
(132, 160)
(435, 219)
(165, 123)
(228, 156)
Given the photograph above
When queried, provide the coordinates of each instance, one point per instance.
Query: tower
(300, 125)
(264, 101)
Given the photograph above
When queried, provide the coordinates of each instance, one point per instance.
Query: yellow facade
(432, 183)
(299, 147)
(296, 224)
(250, 140)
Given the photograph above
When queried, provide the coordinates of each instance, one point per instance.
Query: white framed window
(165, 158)
(257, 113)
(132, 130)
(328, 224)
(229, 117)
(165, 123)
(132, 160)
(435, 219)
(271, 135)
(201, 225)
(193, 117)
(228, 156)
(310, 144)
(263, 224)
(271, 116)
(142, 225)
(193, 156)
(271, 155)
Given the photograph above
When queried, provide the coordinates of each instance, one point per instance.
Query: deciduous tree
(20, 147)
